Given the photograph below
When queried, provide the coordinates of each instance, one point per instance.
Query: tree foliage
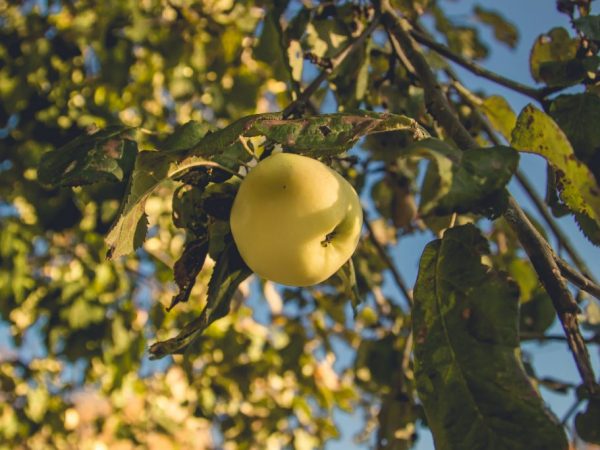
(126, 128)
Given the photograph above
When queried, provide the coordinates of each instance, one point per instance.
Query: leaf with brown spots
(536, 132)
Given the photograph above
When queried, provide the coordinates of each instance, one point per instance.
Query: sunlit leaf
(554, 47)
(577, 116)
(536, 132)
(500, 114)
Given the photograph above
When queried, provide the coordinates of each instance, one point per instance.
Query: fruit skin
(294, 220)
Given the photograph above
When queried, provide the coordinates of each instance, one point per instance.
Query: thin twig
(386, 258)
(325, 73)
(540, 253)
(534, 336)
(536, 94)
(581, 281)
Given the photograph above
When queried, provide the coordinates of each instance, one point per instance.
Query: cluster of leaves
(218, 68)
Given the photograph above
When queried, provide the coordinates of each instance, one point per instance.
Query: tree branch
(539, 252)
(534, 93)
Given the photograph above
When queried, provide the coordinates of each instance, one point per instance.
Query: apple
(294, 220)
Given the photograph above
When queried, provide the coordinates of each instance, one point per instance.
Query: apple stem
(328, 238)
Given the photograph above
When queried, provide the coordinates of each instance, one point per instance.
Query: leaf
(537, 133)
(554, 46)
(332, 133)
(470, 380)
(462, 181)
(586, 423)
(229, 271)
(500, 114)
(578, 116)
(348, 276)
(538, 314)
(106, 155)
(589, 26)
(151, 169)
(187, 268)
(504, 30)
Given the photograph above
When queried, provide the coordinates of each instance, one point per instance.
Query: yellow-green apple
(294, 220)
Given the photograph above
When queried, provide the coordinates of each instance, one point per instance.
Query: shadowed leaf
(106, 155)
(536, 132)
(228, 273)
(187, 268)
(462, 181)
(472, 384)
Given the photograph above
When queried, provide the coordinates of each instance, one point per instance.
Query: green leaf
(536, 132)
(554, 46)
(589, 26)
(500, 114)
(462, 181)
(470, 380)
(229, 271)
(187, 268)
(586, 423)
(537, 314)
(106, 155)
(504, 30)
(348, 276)
(152, 168)
(578, 116)
(332, 133)
(568, 73)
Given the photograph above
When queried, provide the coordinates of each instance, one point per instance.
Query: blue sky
(532, 18)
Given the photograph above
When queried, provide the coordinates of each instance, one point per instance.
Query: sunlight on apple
(295, 221)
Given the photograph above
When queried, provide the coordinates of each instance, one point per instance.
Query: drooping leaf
(187, 212)
(578, 116)
(504, 30)
(500, 114)
(229, 271)
(589, 26)
(556, 47)
(106, 155)
(469, 378)
(187, 268)
(586, 422)
(462, 181)
(536, 132)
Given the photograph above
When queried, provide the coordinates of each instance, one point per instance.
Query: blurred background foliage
(74, 371)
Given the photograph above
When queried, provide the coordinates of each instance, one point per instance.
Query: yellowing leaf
(536, 132)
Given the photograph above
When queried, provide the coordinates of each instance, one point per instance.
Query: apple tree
(128, 318)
